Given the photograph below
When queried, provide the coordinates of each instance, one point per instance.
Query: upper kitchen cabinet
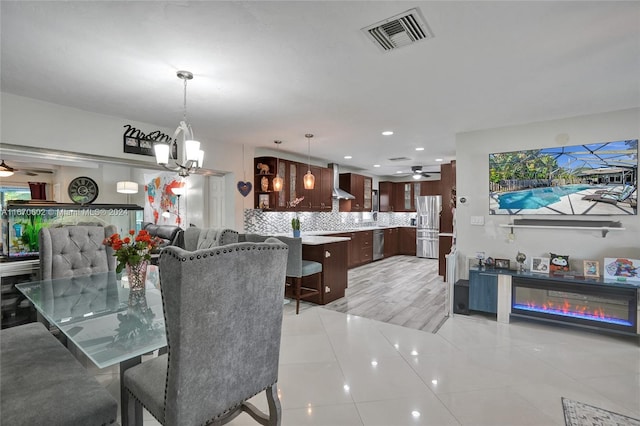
(265, 170)
(430, 187)
(318, 198)
(367, 200)
(403, 197)
(385, 192)
(360, 187)
(326, 189)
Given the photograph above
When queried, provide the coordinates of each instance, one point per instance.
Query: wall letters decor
(136, 142)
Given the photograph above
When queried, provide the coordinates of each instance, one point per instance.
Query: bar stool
(297, 269)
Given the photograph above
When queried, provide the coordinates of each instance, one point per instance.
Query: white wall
(472, 155)
(32, 123)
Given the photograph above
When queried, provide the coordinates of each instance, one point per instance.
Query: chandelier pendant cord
(308, 154)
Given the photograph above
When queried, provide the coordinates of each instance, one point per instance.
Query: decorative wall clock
(83, 190)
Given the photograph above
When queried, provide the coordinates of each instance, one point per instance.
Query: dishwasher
(378, 244)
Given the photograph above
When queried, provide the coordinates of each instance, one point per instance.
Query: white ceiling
(277, 70)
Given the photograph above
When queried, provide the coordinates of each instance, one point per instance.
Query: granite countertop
(363, 228)
(317, 240)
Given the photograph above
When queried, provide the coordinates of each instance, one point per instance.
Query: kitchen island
(331, 252)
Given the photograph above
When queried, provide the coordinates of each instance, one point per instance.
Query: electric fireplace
(583, 303)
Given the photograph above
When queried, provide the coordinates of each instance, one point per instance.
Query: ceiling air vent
(400, 30)
(399, 159)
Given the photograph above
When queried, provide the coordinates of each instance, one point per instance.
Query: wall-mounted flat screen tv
(593, 179)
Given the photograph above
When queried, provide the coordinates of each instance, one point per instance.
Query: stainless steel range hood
(338, 193)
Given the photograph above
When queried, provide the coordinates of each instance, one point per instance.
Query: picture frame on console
(621, 269)
(540, 265)
(591, 268)
(502, 263)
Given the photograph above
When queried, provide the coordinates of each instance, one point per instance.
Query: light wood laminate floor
(402, 290)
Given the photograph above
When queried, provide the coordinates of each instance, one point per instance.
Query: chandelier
(192, 155)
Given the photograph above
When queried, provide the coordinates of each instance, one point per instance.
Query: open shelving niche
(591, 225)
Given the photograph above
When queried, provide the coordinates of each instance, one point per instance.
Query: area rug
(579, 414)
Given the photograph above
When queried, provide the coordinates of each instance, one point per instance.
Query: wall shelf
(587, 225)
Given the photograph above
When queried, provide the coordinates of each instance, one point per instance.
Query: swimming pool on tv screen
(537, 197)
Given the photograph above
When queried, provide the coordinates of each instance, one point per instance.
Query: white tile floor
(337, 369)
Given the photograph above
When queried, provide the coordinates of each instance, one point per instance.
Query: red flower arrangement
(131, 250)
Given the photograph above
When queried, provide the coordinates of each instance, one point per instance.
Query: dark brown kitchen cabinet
(367, 202)
(325, 190)
(292, 172)
(360, 187)
(349, 245)
(403, 197)
(353, 257)
(318, 198)
(365, 238)
(333, 257)
(322, 192)
(385, 192)
(447, 182)
(360, 247)
(265, 170)
(430, 187)
(390, 242)
(407, 241)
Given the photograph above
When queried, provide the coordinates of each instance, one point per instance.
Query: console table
(593, 303)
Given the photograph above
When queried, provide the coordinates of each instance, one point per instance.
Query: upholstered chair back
(294, 259)
(203, 238)
(223, 316)
(73, 251)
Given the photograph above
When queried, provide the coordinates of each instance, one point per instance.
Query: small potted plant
(295, 225)
(295, 222)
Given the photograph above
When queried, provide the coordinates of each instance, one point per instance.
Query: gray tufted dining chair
(74, 251)
(223, 318)
(297, 269)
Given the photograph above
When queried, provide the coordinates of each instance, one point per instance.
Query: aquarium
(21, 223)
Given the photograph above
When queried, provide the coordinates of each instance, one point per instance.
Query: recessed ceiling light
(419, 148)
(376, 165)
(399, 171)
(348, 157)
(439, 160)
(387, 133)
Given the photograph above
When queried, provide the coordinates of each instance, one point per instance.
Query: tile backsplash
(265, 222)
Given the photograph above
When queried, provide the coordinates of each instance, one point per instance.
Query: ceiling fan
(418, 172)
(6, 170)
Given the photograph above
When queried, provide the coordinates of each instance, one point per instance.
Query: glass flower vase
(137, 274)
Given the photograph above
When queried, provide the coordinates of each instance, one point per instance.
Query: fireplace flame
(565, 308)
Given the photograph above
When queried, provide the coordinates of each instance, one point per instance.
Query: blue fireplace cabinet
(483, 291)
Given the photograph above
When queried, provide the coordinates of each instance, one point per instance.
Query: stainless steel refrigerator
(428, 225)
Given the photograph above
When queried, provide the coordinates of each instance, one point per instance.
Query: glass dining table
(103, 319)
